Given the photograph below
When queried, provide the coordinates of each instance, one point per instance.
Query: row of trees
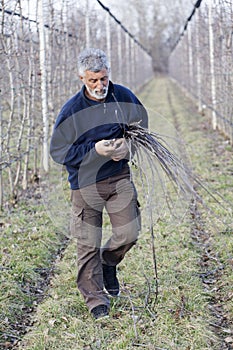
(157, 24)
(202, 61)
(38, 53)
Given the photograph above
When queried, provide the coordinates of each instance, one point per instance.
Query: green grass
(212, 159)
(29, 246)
(179, 319)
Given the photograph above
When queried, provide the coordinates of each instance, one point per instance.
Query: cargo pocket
(76, 223)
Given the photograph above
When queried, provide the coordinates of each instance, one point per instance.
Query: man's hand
(116, 149)
(121, 150)
(105, 147)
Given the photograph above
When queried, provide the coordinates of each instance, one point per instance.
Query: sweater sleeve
(66, 149)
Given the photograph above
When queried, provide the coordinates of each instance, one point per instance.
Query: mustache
(103, 90)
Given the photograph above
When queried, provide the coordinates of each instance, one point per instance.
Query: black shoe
(99, 311)
(110, 280)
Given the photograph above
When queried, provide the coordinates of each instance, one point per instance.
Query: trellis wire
(202, 61)
(66, 33)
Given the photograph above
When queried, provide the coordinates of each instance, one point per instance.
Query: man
(88, 138)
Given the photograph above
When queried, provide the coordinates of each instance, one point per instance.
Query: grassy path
(194, 256)
(28, 251)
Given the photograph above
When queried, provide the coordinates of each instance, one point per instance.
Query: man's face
(96, 84)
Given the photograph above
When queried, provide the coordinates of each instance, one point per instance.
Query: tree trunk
(44, 97)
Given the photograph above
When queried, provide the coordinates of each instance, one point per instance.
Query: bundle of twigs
(153, 146)
(152, 152)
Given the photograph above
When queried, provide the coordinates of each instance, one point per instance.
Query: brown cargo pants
(117, 194)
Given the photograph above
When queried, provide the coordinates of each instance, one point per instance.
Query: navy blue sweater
(83, 122)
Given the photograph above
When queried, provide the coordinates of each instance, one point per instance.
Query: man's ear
(82, 78)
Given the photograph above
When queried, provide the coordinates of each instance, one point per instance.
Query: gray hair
(93, 60)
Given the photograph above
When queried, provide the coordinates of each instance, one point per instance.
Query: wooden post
(108, 38)
(87, 24)
(190, 58)
(44, 97)
(132, 63)
(212, 68)
(198, 62)
(119, 53)
(127, 59)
